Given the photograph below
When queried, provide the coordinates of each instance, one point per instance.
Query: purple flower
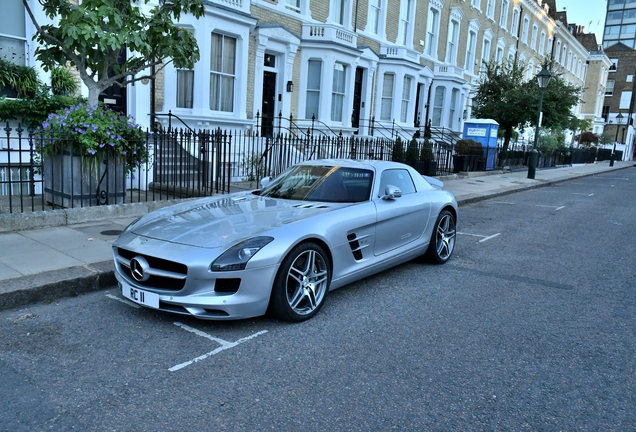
(94, 128)
(102, 145)
(91, 151)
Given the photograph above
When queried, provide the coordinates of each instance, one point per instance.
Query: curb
(56, 284)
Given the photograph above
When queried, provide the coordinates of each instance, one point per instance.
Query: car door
(402, 220)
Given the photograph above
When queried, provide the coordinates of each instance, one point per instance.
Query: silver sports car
(316, 227)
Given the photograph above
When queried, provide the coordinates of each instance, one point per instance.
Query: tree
(500, 97)
(503, 95)
(558, 99)
(95, 35)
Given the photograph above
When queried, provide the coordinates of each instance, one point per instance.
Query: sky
(584, 12)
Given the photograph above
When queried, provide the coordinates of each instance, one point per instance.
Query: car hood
(225, 221)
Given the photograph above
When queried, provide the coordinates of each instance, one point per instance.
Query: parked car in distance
(317, 226)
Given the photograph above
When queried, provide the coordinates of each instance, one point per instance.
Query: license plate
(142, 297)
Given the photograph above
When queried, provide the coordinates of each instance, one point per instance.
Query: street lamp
(543, 78)
(619, 120)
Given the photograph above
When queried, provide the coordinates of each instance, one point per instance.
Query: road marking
(124, 301)
(502, 202)
(488, 238)
(578, 193)
(224, 345)
(550, 206)
(483, 237)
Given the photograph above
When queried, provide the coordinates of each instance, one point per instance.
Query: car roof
(351, 163)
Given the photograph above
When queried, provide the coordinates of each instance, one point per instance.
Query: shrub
(427, 151)
(398, 151)
(95, 130)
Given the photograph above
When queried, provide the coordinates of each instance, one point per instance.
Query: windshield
(321, 183)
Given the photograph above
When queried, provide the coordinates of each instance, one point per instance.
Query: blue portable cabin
(484, 131)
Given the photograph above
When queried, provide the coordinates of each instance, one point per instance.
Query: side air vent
(356, 246)
(228, 286)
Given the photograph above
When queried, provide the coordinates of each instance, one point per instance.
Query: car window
(399, 178)
(321, 183)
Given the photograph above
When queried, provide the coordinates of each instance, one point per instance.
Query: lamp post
(619, 120)
(543, 78)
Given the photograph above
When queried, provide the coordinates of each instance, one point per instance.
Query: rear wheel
(442, 242)
(301, 284)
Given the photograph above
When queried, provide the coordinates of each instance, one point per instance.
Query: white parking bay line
(483, 237)
(550, 206)
(224, 345)
(124, 301)
(578, 193)
(488, 238)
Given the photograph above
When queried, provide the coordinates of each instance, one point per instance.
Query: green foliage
(89, 36)
(427, 151)
(412, 152)
(500, 97)
(398, 151)
(579, 124)
(503, 95)
(253, 166)
(22, 79)
(95, 130)
(558, 100)
(34, 110)
(62, 81)
(606, 138)
(587, 138)
(550, 140)
(468, 147)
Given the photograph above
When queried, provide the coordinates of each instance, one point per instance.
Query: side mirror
(265, 181)
(391, 192)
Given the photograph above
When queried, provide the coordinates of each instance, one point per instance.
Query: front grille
(174, 282)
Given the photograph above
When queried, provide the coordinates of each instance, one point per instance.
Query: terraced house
(354, 66)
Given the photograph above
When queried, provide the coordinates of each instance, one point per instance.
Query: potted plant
(398, 151)
(460, 158)
(427, 159)
(86, 152)
(412, 153)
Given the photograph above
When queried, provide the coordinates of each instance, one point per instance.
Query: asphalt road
(530, 326)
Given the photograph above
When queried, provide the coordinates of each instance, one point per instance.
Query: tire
(302, 283)
(442, 241)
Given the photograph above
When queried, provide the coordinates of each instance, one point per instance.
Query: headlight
(237, 256)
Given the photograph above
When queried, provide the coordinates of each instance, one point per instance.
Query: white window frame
(340, 13)
(533, 38)
(338, 93)
(471, 43)
(490, 9)
(452, 41)
(219, 105)
(530, 72)
(432, 31)
(514, 25)
(542, 43)
(486, 46)
(407, 85)
(405, 29)
(313, 91)
(438, 106)
(377, 26)
(525, 30)
(503, 17)
(387, 97)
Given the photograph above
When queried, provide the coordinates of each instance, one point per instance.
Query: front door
(357, 99)
(269, 103)
(114, 97)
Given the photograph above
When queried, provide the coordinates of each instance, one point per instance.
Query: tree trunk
(507, 136)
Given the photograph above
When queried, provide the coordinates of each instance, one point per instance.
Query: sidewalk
(49, 255)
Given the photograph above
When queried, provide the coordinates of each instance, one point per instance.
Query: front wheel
(442, 242)
(301, 284)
